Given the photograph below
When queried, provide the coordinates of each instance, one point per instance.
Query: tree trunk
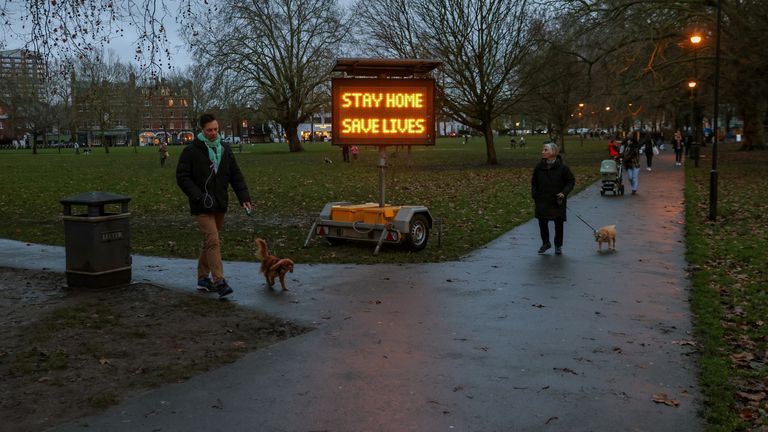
(291, 131)
(754, 135)
(559, 137)
(490, 150)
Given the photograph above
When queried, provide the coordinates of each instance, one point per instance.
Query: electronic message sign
(383, 111)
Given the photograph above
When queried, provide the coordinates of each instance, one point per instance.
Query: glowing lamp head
(692, 84)
(695, 39)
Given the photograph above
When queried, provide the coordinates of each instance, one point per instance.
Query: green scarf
(214, 149)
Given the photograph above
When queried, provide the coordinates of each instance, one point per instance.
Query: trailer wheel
(417, 236)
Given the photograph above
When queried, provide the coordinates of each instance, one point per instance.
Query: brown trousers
(210, 257)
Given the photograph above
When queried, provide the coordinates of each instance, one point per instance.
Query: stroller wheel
(602, 192)
(621, 189)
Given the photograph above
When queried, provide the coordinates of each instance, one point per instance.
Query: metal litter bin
(97, 242)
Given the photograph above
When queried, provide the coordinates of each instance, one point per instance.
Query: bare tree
(31, 99)
(649, 45)
(76, 29)
(280, 52)
(99, 84)
(482, 44)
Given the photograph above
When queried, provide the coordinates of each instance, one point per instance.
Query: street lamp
(713, 172)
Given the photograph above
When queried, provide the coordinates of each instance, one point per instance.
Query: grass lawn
(728, 260)
(477, 202)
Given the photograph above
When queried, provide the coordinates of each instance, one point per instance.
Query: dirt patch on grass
(68, 353)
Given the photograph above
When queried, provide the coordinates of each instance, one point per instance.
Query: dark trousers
(544, 230)
(649, 159)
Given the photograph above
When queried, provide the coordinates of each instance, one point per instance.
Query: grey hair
(553, 148)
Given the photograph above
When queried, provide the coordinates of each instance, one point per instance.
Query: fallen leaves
(754, 397)
(742, 358)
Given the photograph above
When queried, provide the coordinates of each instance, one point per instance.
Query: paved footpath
(502, 340)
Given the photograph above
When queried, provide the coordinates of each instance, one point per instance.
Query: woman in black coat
(648, 146)
(551, 183)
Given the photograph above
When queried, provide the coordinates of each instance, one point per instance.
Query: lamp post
(694, 150)
(696, 131)
(581, 123)
(713, 172)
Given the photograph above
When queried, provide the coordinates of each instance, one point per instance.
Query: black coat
(548, 181)
(195, 177)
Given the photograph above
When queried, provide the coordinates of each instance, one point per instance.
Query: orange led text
(382, 100)
(382, 126)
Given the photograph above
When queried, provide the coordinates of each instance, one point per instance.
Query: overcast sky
(122, 46)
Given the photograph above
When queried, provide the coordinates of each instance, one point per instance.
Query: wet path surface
(503, 340)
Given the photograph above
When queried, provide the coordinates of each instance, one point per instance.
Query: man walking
(206, 169)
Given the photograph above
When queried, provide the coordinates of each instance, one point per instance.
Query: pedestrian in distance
(206, 169)
(345, 152)
(631, 158)
(355, 150)
(164, 155)
(551, 183)
(613, 149)
(648, 147)
(677, 146)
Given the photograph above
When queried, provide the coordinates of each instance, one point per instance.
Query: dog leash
(585, 222)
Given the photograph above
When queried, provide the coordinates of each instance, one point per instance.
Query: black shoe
(222, 288)
(205, 284)
(558, 250)
(544, 248)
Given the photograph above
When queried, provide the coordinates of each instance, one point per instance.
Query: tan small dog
(606, 234)
(272, 266)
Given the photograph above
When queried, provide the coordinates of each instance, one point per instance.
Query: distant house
(115, 113)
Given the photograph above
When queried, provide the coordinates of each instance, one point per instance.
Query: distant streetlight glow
(692, 84)
(695, 39)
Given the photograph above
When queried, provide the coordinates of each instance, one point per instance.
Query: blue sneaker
(205, 284)
(222, 288)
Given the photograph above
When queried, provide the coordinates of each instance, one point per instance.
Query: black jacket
(548, 181)
(196, 178)
(631, 155)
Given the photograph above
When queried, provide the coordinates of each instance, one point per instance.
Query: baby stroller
(611, 173)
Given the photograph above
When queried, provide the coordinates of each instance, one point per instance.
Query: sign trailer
(380, 102)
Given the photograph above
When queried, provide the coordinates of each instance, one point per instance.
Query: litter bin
(97, 242)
